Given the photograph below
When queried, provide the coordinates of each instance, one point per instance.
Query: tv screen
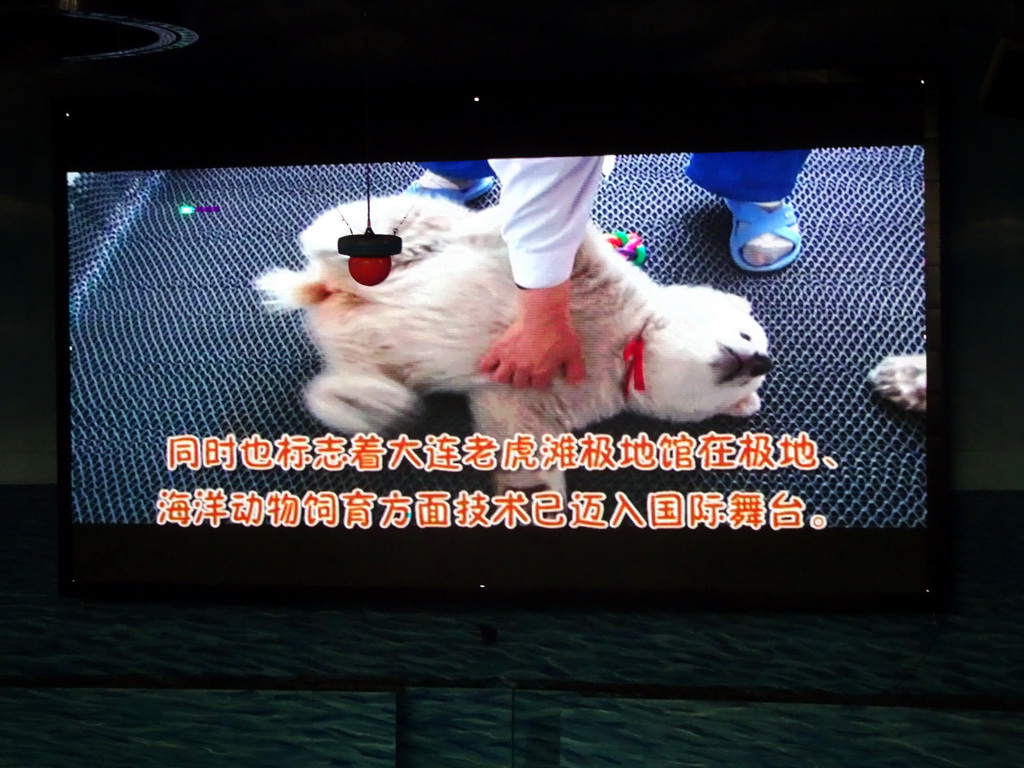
(245, 419)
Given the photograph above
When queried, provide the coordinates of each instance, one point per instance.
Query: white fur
(903, 380)
(450, 295)
(283, 289)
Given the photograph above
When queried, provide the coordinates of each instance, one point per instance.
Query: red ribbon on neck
(634, 357)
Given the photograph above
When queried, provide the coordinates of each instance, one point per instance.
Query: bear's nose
(756, 364)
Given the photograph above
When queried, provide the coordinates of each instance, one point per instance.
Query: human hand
(539, 345)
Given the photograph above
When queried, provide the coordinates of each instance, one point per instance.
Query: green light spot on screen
(186, 209)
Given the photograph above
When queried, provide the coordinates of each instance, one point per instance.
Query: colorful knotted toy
(629, 245)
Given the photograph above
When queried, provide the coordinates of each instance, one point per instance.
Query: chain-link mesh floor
(169, 337)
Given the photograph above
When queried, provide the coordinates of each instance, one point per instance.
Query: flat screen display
(244, 418)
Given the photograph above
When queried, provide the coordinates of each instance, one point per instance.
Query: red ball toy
(369, 270)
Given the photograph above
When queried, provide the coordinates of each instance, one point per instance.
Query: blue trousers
(460, 169)
(752, 177)
(756, 177)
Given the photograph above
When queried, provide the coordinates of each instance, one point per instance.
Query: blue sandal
(750, 220)
(479, 188)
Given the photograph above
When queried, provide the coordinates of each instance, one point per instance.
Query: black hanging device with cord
(369, 254)
(369, 244)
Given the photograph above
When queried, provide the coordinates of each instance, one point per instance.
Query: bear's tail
(284, 290)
